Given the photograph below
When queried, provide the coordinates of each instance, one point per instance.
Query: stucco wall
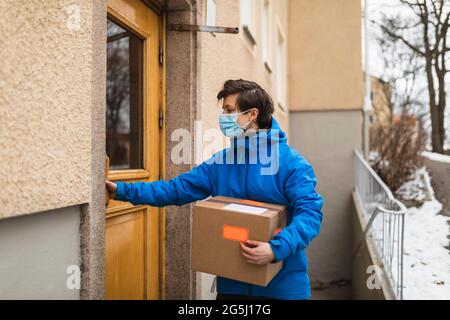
(92, 224)
(52, 133)
(325, 55)
(45, 99)
(181, 113)
(36, 252)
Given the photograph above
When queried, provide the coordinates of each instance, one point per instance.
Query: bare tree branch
(395, 36)
(433, 19)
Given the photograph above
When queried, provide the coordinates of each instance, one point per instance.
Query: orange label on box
(234, 233)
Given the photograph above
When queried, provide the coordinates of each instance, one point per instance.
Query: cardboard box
(220, 224)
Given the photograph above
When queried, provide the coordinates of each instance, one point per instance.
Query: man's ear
(255, 112)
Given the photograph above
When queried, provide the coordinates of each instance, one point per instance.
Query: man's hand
(257, 252)
(112, 188)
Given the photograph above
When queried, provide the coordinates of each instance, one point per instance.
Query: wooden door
(132, 239)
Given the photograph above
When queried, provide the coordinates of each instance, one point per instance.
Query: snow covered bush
(398, 150)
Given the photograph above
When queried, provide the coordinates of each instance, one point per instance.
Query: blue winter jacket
(260, 167)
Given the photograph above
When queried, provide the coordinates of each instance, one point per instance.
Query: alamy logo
(74, 279)
(254, 148)
(372, 281)
(73, 21)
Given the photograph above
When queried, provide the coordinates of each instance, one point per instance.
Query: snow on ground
(436, 156)
(426, 259)
(413, 191)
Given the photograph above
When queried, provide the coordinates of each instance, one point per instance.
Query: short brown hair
(251, 95)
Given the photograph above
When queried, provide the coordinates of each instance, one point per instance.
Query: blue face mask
(229, 125)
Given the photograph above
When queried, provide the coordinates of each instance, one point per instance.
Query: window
(247, 19)
(281, 70)
(124, 98)
(265, 38)
(211, 11)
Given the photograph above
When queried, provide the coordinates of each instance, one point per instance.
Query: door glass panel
(124, 98)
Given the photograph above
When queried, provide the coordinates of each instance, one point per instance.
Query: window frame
(211, 13)
(148, 171)
(142, 88)
(266, 34)
(281, 63)
(248, 8)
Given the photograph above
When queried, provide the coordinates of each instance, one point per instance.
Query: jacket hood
(260, 137)
(257, 147)
(276, 126)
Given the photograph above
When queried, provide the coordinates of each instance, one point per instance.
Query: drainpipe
(368, 90)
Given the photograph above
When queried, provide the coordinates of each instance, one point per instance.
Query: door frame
(147, 173)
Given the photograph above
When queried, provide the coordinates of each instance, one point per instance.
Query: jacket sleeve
(187, 187)
(307, 215)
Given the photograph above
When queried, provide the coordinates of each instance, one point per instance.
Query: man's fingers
(112, 187)
(252, 259)
(247, 256)
(257, 262)
(253, 243)
(257, 254)
(246, 249)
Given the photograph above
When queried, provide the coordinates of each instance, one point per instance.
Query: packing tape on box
(252, 203)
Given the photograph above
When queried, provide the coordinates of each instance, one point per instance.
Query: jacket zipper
(245, 183)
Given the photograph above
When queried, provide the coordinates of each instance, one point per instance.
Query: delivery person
(287, 179)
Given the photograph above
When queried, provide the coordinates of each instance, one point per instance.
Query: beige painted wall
(45, 101)
(325, 55)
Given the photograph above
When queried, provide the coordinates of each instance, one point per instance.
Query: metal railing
(385, 218)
